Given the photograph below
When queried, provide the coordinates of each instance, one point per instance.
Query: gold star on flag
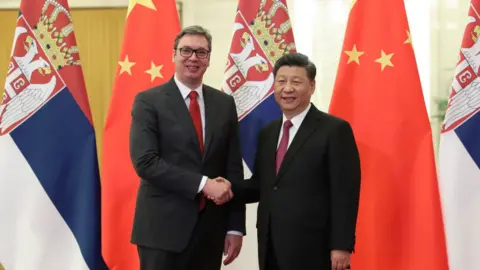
(409, 38)
(354, 55)
(146, 3)
(385, 60)
(154, 71)
(126, 65)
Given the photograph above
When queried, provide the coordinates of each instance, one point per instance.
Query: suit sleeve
(250, 188)
(344, 167)
(235, 174)
(146, 158)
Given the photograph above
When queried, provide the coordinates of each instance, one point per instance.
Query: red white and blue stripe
(49, 183)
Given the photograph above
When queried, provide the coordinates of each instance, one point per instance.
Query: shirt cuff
(202, 183)
(235, 233)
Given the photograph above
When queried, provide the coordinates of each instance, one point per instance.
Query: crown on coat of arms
(270, 34)
(53, 38)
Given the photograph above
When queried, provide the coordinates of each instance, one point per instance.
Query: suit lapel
(210, 111)
(177, 105)
(306, 129)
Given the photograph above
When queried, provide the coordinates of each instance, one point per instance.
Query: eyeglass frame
(182, 52)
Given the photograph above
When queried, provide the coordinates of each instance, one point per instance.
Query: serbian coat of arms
(41, 48)
(465, 96)
(262, 33)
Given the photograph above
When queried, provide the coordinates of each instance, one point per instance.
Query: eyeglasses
(187, 52)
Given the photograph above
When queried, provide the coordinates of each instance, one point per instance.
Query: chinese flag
(145, 61)
(378, 91)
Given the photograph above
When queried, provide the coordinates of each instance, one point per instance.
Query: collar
(298, 119)
(185, 90)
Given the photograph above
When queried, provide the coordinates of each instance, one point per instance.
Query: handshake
(219, 190)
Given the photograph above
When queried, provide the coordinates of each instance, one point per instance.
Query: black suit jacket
(166, 155)
(311, 207)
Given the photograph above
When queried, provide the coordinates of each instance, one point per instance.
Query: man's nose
(288, 88)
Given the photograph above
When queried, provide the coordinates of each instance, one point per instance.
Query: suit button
(275, 188)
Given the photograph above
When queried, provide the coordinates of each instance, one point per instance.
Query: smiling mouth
(193, 68)
(288, 99)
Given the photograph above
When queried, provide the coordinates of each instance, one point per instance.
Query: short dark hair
(296, 60)
(194, 30)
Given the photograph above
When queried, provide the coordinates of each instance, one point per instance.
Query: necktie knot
(287, 125)
(193, 95)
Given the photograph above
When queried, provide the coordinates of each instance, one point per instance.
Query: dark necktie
(282, 148)
(197, 122)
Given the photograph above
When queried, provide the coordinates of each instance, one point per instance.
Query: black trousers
(204, 252)
(272, 262)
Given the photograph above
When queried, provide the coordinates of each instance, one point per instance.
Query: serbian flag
(145, 61)
(262, 33)
(49, 183)
(378, 91)
(459, 153)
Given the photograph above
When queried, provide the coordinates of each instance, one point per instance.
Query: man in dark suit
(184, 134)
(306, 179)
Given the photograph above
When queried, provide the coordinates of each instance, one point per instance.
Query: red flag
(145, 61)
(378, 91)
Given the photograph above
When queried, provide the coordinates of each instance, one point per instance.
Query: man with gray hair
(184, 134)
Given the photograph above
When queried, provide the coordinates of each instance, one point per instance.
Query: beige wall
(436, 25)
(449, 18)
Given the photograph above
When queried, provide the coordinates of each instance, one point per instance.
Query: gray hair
(194, 30)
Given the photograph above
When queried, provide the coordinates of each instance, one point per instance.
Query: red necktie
(197, 119)
(197, 122)
(282, 148)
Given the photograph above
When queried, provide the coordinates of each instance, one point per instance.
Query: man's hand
(218, 190)
(233, 245)
(340, 259)
(228, 197)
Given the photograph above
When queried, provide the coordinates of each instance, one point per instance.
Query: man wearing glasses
(184, 134)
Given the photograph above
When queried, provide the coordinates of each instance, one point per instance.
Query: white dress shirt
(296, 122)
(185, 91)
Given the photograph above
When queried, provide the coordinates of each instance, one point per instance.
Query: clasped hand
(219, 190)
